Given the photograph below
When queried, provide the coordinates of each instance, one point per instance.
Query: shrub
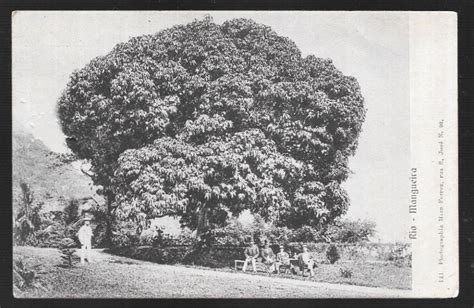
(54, 229)
(51, 236)
(408, 260)
(99, 239)
(186, 237)
(280, 235)
(148, 237)
(22, 276)
(307, 234)
(347, 231)
(216, 256)
(48, 229)
(25, 277)
(167, 255)
(68, 256)
(71, 211)
(235, 233)
(345, 272)
(157, 238)
(125, 234)
(28, 218)
(332, 254)
(399, 255)
(121, 240)
(172, 255)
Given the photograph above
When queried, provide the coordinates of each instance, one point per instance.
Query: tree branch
(112, 210)
(92, 197)
(86, 173)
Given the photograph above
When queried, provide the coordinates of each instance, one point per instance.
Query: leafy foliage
(347, 231)
(28, 218)
(203, 120)
(125, 233)
(24, 277)
(157, 238)
(237, 234)
(68, 253)
(345, 272)
(50, 228)
(148, 237)
(400, 256)
(71, 211)
(332, 254)
(167, 255)
(51, 236)
(308, 234)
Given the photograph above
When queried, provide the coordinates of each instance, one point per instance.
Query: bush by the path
(24, 277)
(219, 256)
(168, 255)
(68, 253)
(332, 254)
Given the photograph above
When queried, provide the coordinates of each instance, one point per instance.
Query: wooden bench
(260, 266)
(295, 264)
(237, 262)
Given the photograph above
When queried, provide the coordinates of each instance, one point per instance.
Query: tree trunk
(203, 221)
(108, 223)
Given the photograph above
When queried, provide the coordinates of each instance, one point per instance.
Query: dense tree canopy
(203, 120)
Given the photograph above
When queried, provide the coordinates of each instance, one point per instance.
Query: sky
(370, 46)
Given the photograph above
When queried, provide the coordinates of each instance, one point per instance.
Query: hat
(281, 246)
(87, 218)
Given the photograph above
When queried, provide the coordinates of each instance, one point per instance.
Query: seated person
(251, 253)
(282, 258)
(268, 258)
(305, 258)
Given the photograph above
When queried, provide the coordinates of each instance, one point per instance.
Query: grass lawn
(385, 275)
(113, 276)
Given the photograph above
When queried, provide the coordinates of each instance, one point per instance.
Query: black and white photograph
(233, 154)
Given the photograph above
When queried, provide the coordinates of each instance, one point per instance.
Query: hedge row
(399, 253)
(223, 256)
(168, 255)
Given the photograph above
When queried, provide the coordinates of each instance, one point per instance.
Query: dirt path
(113, 276)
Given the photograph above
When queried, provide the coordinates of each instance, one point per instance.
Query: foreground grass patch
(373, 274)
(111, 276)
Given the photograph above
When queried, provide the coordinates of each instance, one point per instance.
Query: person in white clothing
(85, 237)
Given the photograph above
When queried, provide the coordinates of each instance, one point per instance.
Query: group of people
(252, 252)
(276, 262)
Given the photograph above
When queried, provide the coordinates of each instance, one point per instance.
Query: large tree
(202, 121)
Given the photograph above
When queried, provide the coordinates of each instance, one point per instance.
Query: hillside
(51, 180)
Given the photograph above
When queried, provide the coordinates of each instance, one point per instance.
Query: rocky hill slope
(52, 181)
